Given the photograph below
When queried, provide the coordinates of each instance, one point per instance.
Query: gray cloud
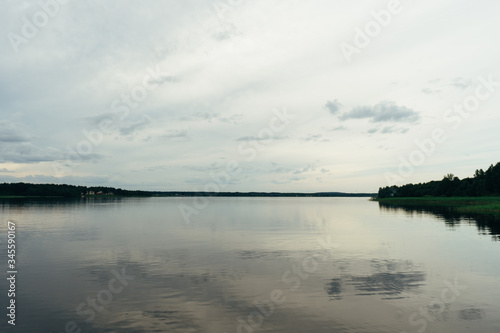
(460, 82)
(176, 134)
(309, 167)
(388, 129)
(287, 181)
(124, 127)
(234, 119)
(12, 137)
(94, 121)
(333, 106)
(211, 116)
(313, 137)
(280, 182)
(16, 146)
(136, 126)
(282, 170)
(256, 138)
(43, 179)
(429, 91)
(11, 133)
(27, 152)
(394, 129)
(338, 128)
(207, 116)
(385, 111)
(212, 167)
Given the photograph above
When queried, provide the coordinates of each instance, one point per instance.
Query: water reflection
(471, 314)
(209, 275)
(334, 288)
(391, 279)
(487, 223)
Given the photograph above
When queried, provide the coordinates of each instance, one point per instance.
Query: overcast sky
(260, 95)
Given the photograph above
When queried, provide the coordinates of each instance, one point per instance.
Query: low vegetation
(459, 204)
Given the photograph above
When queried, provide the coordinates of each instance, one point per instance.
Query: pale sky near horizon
(164, 95)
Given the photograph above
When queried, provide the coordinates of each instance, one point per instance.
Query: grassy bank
(460, 204)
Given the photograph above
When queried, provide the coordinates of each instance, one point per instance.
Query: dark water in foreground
(247, 264)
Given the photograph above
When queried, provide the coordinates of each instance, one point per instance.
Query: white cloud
(385, 111)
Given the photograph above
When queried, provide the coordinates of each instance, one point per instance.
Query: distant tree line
(62, 190)
(263, 194)
(483, 183)
(56, 190)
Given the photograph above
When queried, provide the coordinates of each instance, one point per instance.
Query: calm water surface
(248, 265)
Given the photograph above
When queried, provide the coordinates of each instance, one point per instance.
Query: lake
(248, 265)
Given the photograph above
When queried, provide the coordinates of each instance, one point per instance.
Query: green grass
(460, 204)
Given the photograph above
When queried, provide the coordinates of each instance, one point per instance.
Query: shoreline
(481, 205)
(207, 194)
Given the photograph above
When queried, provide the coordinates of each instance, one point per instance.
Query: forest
(482, 183)
(62, 190)
(72, 191)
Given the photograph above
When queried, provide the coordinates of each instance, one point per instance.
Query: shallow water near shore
(248, 265)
